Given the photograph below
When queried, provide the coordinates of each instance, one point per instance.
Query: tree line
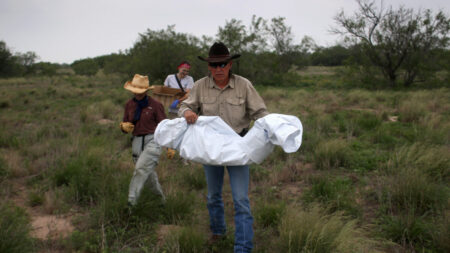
(382, 46)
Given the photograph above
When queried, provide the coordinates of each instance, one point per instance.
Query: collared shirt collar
(231, 82)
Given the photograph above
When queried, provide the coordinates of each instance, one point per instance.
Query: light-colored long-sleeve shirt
(238, 103)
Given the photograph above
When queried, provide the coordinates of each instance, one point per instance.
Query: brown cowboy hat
(138, 85)
(219, 53)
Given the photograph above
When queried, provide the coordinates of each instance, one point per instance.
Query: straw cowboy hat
(138, 85)
(219, 53)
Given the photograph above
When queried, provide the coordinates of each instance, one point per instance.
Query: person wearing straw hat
(234, 99)
(142, 115)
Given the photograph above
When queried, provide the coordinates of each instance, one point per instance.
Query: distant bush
(87, 67)
(14, 230)
(46, 68)
(330, 56)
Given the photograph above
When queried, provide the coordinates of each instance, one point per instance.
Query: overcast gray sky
(66, 30)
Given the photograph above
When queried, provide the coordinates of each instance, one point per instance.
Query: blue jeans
(239, 180)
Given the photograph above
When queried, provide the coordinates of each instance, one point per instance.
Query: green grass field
(372, 174)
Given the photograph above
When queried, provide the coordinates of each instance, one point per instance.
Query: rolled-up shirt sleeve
(191, 103)
(256, 107)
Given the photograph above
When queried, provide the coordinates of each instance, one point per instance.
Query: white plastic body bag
(211, 141)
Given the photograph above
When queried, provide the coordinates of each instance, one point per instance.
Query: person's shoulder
(170, 76)
(155, 102)
(242, 80)
(130, 102)
(202, 80)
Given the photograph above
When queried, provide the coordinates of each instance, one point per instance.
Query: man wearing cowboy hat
(235, 100)
(142, 115)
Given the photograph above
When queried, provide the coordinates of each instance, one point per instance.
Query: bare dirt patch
(164, 232)
(51, 227)
(44, 226)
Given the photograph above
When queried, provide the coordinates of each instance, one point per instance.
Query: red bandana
(184, 65)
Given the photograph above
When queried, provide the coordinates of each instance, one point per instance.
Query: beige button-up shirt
(237, 103)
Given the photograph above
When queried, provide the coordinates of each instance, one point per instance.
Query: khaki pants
(145, 155)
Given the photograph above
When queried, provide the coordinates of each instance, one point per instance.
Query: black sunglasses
(217, 64)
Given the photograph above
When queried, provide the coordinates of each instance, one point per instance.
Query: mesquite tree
(399, 42)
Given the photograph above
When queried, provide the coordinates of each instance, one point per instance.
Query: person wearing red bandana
(182, 81)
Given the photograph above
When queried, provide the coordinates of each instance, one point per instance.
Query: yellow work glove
(127, 127)
(170, 153)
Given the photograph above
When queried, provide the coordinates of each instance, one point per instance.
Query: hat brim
(219, 59)
(135, 90)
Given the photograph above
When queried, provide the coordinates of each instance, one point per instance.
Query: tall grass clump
(417, 233)
(82, 175)
(14, 230)
(178, 208)
(336, 194)
(411, 189)
(194, 178)
(8, 139)
(431, 160)
(331, 154)
(105, 109)
(269, 213)
(314, 230)
(187, 240)
(393, 134)
(3, 169)
(415, 197)
(411, 111)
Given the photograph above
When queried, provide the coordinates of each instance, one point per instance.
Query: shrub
(35, 198)
(14, 230)
(4, 104)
